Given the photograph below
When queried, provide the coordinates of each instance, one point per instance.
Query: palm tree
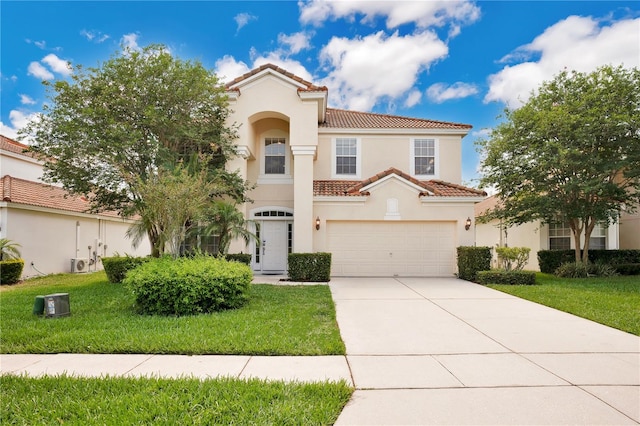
(9, 249)
(227, 223)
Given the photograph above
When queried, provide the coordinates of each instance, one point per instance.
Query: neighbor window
(424, 157)
(346, 157)
(559, 236)
(274, 156)
(598, 240)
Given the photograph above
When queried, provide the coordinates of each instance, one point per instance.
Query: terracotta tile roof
(310, 87)
(486, 205)
(21, 191)
(10, 145)
(340, 118)
(431, 188)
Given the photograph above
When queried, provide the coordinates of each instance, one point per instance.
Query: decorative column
(303, 221)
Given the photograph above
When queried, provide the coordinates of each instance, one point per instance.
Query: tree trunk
(590, 224)
(576, 230)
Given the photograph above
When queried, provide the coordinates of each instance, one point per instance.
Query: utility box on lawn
(56, 305)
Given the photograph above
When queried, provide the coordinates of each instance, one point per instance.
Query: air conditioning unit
(79, 265)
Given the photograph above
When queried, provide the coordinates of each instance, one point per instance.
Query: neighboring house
(54, 231)
(382, 193)
(536, 236)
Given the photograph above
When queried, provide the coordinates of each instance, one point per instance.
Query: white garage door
(392, 248)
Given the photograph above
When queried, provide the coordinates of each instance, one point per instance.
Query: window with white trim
(423, 157)
(346, 157)
(274, 156)
(559, 236)
(598, 240)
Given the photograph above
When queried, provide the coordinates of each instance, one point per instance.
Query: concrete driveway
(446, 351)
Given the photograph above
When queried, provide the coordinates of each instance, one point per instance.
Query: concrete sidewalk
(429, 351)
(446, 351)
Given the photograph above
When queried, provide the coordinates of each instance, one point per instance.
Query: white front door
(274, 241)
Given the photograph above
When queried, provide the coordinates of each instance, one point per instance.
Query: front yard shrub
(513, 258)
(550, 260)
(11, 270)
(628, 268)
(498, 276)
(116, 267)
(471, 260)
(189, 286)
(581, 270)
(239, 257)
(310, 267)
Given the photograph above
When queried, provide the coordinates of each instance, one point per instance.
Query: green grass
(613, 301)
(278, 320)
(119, 401)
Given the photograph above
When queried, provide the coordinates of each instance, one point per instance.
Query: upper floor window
(423, 152)
(346, 158)
(274, 156)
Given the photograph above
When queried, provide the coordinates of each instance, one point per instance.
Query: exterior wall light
(317, 223)
(467, 224)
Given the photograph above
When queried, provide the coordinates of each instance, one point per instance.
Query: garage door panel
(392, 248)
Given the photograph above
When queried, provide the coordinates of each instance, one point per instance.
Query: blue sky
(460, 61)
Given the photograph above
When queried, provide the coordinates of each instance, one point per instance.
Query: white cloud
(26, 100)
(94, 36)
(228, 68)
(37, 70)
(423, 13)
(575, 43)
(364, 70)
(441, 92)
(18, 119)
(296, 42)
(130, 42)
(413, 98)
(58, 65)
(243, 19)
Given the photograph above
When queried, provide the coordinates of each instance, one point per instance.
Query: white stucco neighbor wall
(21, 166)
(50, 238)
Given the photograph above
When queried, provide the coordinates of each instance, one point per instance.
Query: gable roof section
(304, 86)
(15, 147)
(343, 119)
(432, 188)
(21, 191)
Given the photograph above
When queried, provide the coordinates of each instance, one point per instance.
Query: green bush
(550, 260)
(117, 267)
(239, 257)
(581, 270)
(189, 286)
(513, 258)
(310, 267)
(11, 271)
(628, 268)
(471, 260)
(499, 276)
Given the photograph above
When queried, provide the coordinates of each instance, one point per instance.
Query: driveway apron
(446, 351)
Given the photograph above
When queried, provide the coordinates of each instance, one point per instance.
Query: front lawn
(279, 320)
(613, 301)
(120, 401)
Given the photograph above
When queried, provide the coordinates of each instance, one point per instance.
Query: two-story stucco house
(382, 193)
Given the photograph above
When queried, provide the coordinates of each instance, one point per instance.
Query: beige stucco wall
(630, 230)
(20, 166)
(50, 239)
(375, 207)
(382, 151)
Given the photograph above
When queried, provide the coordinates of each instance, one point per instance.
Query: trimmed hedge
(239, 257)
(310, 267)
(117, 267)
(507, 277)
(189, 286)
(550, 260)
(471, 260)
(11, 270)
(628, 268)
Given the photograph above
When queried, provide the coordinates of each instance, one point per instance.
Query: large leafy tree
(570, 154)
(107, 133)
